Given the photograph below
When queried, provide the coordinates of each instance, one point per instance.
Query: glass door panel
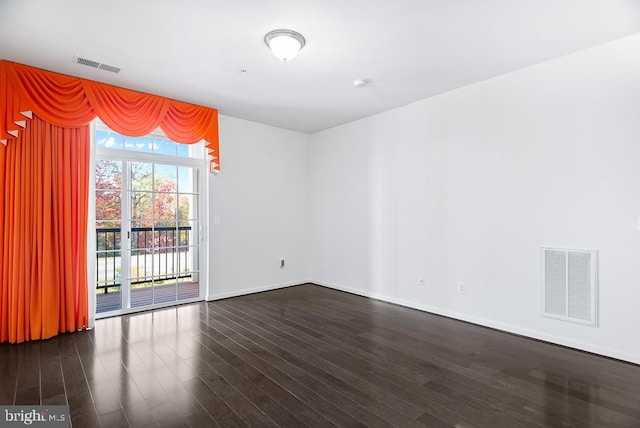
(140, 254)
(163, 266)
(108, 183)
(189, 228)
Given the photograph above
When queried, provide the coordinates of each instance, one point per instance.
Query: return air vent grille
(96, 64)
(569, 285)
(110, 68)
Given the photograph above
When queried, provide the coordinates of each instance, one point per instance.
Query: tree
(108, 185)
(153, 203)
(141, 181)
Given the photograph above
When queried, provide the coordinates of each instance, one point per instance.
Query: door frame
(201, 166)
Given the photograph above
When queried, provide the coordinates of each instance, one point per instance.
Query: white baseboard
(563, 341)
(253, 290)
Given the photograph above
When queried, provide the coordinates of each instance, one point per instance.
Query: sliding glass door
(163, 232)
(148, 223)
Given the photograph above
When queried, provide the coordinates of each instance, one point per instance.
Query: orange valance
(71, 102)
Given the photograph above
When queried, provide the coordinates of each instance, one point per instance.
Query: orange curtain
(44, 167)
(71, 102)
(43, 229)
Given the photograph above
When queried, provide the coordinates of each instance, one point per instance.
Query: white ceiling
(195, 50)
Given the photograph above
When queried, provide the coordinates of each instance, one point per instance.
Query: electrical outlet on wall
(421, 281)
(462, 287)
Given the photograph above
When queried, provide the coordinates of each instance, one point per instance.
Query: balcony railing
(157, 246)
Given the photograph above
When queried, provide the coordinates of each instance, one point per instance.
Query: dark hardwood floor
(310, 356)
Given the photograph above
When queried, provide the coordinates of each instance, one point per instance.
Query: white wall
(467, 186)
(261, 197)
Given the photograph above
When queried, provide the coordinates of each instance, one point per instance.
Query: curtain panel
(71, 102)
(44, 193)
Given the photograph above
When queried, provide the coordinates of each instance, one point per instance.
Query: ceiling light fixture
(360, 83)
(285, 44)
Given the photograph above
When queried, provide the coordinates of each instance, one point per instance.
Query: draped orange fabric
(44, 180)
(44, 174)
(72, 103)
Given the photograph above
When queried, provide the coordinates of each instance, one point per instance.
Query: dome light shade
(285, 44)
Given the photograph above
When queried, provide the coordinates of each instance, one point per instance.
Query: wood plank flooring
(310, 356)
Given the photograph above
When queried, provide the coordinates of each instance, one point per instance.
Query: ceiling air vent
(96, 64)
(110, 68)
